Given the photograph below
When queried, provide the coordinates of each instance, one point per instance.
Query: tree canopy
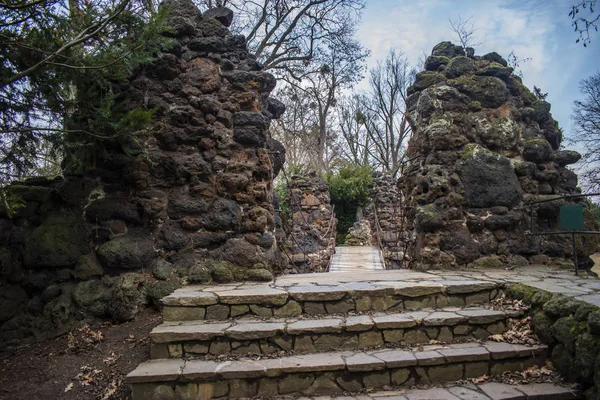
(60, 63)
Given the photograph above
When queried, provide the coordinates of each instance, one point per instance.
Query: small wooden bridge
(356, 258)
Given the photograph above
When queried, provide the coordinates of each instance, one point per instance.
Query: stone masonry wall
(571, 328)
(387, 200)
(311, 241)
(486, 146)
(188, 200)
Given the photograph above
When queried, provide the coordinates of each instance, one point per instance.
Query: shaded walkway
(356, 259)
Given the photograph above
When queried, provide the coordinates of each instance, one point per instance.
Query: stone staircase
(334, 334)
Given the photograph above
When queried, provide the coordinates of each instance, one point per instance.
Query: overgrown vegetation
(349, 189)
(61, 65)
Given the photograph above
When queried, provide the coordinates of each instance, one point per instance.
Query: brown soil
(88, 363)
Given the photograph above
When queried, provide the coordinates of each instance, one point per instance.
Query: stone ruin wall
(311, 241)
(387, 201)
(152, 208)
(487, 147)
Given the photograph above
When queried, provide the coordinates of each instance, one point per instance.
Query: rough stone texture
(389, 229)
(483, 147)
(196, 185)
(570, 327)
(313, 224)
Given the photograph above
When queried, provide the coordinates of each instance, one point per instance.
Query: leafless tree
(341, 67)
(296, 129)
(464, 29)
(384, 105)
(586, 124)
(583, 25)
(287, 36)
(356, 146)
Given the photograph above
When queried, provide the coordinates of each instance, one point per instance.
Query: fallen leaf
(69, 387)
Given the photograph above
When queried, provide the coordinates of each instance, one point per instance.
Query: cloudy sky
(538, 29)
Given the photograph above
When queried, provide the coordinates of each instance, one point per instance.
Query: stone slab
(500, 391)
(330, 325)
(189, 298)
(394, 321)
(254, 330)
(169, 332)
(317, 293)
(253, 295)
(156, 371)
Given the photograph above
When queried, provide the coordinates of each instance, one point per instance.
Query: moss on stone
(520, 291)
(261, 275)
(59, 241)
(469, 151)
(222, 272)
(488, 262)
(475, 105)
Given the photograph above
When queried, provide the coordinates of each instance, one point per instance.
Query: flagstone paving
(355, 314)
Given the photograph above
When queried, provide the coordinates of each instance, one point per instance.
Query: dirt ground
(89, 363)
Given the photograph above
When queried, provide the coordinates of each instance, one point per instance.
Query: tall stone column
(485, 148)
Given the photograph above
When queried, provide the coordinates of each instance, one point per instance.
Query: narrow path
(356, 259)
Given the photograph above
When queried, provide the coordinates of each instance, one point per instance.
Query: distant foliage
(349, 189)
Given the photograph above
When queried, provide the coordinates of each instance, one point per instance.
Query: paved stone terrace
(485, 391)
(387, 290)
(240, 337)
(356, 259)
(334, 372)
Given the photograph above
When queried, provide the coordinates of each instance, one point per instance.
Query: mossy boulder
(58, 241)
(537, 150)
(222, 272)
(425, 79)
(488, 179)
(459, 66)
(542, 325)
(594, 322)
(496, 70)
(163, 269)
(93, 297)
(200, 273)
(131, 251)
(87, 266)
(447, 49)
(428, 218)
(433, 63)
(496, 58)
(561, 306)
(491, 92)
(162, 289)
(564, 362)
(488, 262)
(521, 292)
(541, 111)
(587, 348)
(130, 296)
(260, 275)
(565, 330)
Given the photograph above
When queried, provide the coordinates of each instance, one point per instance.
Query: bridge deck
(356, 258)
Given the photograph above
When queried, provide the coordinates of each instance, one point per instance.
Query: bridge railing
(379, 235)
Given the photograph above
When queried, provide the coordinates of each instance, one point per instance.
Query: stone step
(484, 391)
(251, 336)
(328, 373)
(300, 296)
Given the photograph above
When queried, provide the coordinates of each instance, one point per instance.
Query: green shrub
(349, 189)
